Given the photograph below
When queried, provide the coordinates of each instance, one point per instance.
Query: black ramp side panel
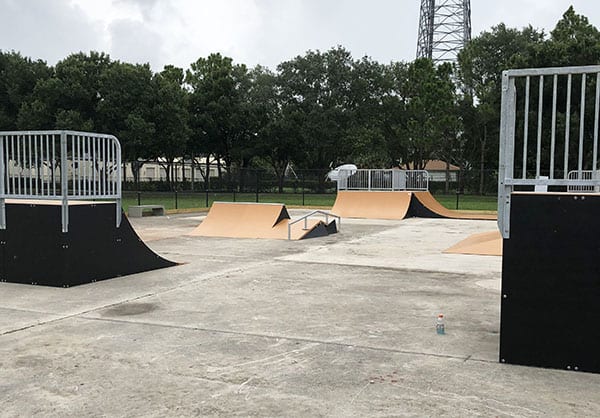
(551, 283)
(36, 251)
(418, 210)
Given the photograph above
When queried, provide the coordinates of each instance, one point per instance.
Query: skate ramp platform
(36, 251)
(258, 220)
(396, 205)
(372, 204)
(483, 243)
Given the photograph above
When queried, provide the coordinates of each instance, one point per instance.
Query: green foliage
(317, 110)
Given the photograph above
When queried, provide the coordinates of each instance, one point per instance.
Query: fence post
(176, 199)
(457, 194)
(233, 195)
(257, 184)
(302, 189)
(139, 197)
(206, 190)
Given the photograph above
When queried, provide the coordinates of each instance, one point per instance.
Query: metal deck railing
(549, 125)
(383, 180)
(59, 165)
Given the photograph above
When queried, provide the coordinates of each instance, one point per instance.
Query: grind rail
(383, 180)
(308, 215)
(59, 165)
(549, 125)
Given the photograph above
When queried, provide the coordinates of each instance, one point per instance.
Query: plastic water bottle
(440, 327)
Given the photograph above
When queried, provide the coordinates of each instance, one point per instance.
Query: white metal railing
(562, 112)
(383, 180)
(59, 165)
(589, 175)
(313, 213)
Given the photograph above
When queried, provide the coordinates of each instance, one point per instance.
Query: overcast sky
(253, 32)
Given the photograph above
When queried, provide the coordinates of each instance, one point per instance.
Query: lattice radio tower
(444, 29)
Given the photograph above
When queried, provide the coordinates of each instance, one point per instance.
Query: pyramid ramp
(257, 220)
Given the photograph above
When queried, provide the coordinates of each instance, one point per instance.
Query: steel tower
(444, 29)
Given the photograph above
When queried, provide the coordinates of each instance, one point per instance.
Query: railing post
(3, 178)
(64, 187)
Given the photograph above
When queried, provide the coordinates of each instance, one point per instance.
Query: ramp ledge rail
(313, 213)
(59, 165)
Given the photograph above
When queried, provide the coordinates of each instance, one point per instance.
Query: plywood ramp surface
(429, 202)
(372, 204)
(484, 243)
(253, 220)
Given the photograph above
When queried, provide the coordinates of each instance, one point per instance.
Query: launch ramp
(483, 243)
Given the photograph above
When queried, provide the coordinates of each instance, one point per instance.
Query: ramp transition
(258, 220)
(483, 243)
(36, 251)
(396, 205)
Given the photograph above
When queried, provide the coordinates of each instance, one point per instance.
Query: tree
(125, 109)
(18, 76)
(170, 118)
(69, 98)
(481, 64)
(218, 112)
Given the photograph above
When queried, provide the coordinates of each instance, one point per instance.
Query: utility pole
(444, 29)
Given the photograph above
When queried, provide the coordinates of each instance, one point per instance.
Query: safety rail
(564, 109)
(59, 165)
(589, 175)
(383, 180)
(313, 213)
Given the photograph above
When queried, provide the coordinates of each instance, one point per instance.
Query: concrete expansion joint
(69, 316)
(292, 339)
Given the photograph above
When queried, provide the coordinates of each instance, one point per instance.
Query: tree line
(317, 110)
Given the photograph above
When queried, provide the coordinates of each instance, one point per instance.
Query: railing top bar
(57, 132)
(316, 212)
(552, 70)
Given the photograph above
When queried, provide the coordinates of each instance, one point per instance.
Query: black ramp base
(34, 250)
(418, 210)
(551, 283)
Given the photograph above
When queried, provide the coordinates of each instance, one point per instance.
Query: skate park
(339, 324)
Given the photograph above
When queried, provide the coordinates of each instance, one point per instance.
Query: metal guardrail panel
(549, 126)
(383, 180)
(60, 165)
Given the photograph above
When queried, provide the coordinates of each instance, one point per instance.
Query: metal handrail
(59, 165)
(305, 219)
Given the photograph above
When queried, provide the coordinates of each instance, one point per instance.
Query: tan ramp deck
(483, 243)
(372, 204)
(396, 205)
(253, 220)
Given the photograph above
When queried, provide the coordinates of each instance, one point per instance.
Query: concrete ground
(334, 326)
